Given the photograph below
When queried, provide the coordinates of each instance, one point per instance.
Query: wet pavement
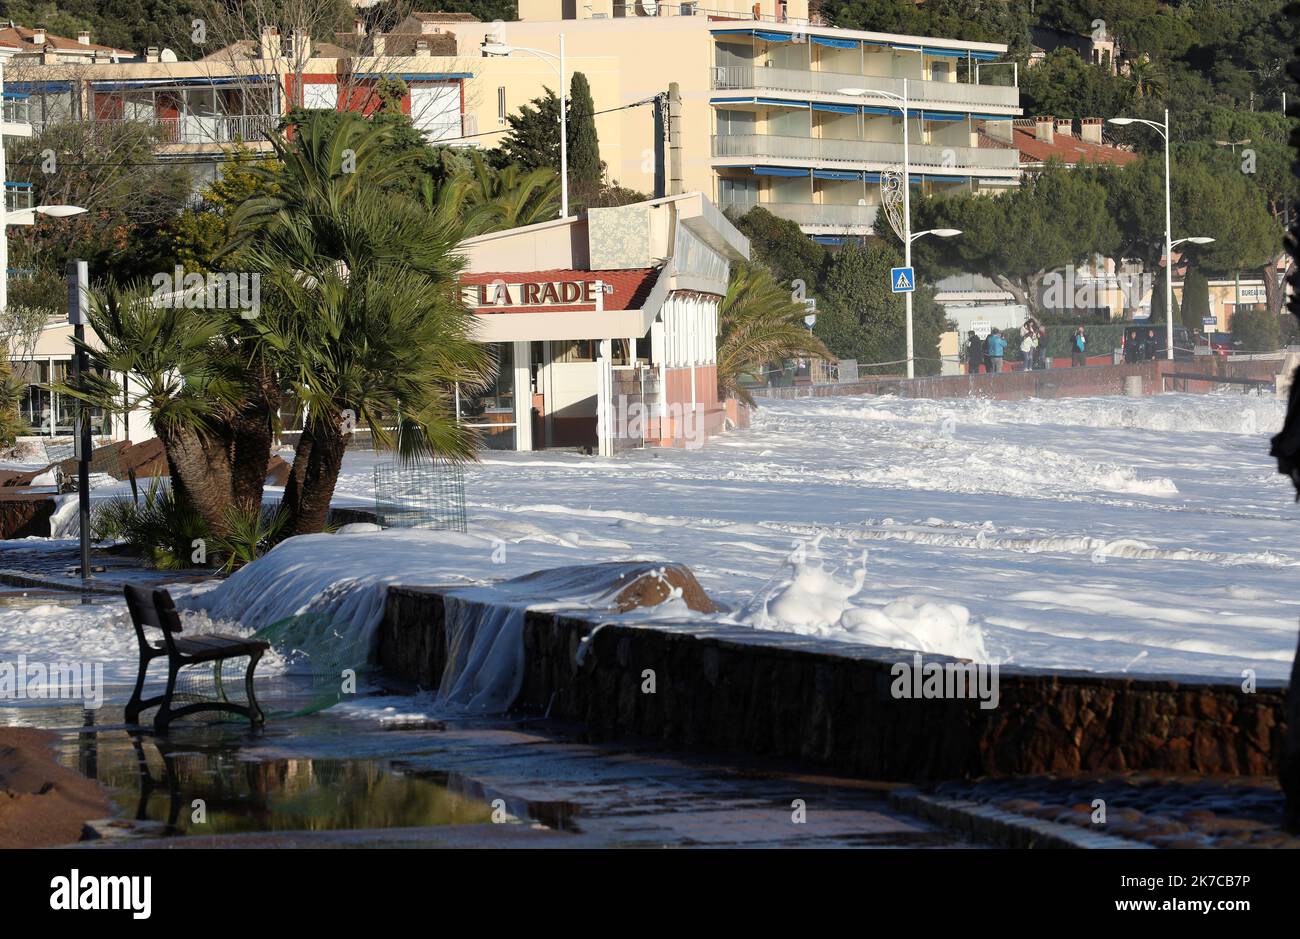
(1160, 810)
(360, 775)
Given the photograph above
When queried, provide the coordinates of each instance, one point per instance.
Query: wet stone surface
(1166, 811)
(372, 778)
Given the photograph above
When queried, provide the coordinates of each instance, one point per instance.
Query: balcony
(919, 91)
(206, 129)
(831, 150)
(840, 219)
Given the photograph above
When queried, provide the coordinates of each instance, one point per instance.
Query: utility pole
(78, 302)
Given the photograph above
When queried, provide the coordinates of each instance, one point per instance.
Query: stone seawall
(728, 689)
(1048, 383)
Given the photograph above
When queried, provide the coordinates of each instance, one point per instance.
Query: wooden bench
(156, 610)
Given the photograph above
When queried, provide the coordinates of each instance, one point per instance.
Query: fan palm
(186, 376)
(759, 322)
(361, 312)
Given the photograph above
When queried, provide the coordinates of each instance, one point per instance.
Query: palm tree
(1149, 80)
(759, 322)
(361, 312)
(487, 200)
(184, 376)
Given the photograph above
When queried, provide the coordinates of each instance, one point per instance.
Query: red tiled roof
(1064, 147)
(631, 287)
(22, 37)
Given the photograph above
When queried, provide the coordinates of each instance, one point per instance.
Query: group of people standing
(991, 352)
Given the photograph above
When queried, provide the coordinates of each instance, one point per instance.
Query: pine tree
(534, 137)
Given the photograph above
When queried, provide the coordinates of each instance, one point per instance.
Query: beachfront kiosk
(604, 327)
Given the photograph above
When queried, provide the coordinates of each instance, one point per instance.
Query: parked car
(1138, 347)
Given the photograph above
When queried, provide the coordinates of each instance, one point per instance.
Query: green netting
(325, 664)
(327, 658)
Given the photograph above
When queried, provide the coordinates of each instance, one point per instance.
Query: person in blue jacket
(997, 347)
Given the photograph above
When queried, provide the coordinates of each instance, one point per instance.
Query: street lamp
(493, 47)
(900, 102)
(1234, 144)
(1169, 247)
(24, 217)
(1169, 272)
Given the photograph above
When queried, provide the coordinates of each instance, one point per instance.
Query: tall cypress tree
(584, 146)
(1196, 300)
(1158, 299)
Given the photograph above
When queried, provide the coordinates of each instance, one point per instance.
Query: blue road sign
(902, 280)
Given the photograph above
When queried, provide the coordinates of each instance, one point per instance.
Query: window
(573, 350)
(48, 413)
(501, 104)
(492, 412)
(320, 96)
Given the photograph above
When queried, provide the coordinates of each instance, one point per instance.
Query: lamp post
(1169, 247)
(493, 47)
(906, 234)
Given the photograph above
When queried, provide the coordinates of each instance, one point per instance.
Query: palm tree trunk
(316, 464)
(201, 464)
(251, 445)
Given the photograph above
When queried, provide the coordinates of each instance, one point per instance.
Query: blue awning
(42, 88)
(779, 103)
(942, 116)
(835, 43)
(951, 53)
(872, 109)
(206, 81)
(985, 56)
(842, 175)
(871, 177)
(771, 37)
(829, 239)
(14, 185)
(778, 171)
(16, 95)
(947, 179)
(992, 117)
(835, 108)
(416, 76)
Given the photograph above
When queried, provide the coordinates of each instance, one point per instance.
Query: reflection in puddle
(209, 791)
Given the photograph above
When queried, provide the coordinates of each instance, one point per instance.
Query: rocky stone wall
(726, 689)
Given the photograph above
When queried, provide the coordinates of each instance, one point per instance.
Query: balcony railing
(831, 150)
(920, 92)
(198, 129)
(634, 8)
(855, 219)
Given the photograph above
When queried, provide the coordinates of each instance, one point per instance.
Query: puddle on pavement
(199, 783)
(212, 793)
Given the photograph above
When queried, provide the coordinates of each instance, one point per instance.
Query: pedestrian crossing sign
(902, 280)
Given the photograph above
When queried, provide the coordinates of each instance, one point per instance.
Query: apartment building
(779, 111)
